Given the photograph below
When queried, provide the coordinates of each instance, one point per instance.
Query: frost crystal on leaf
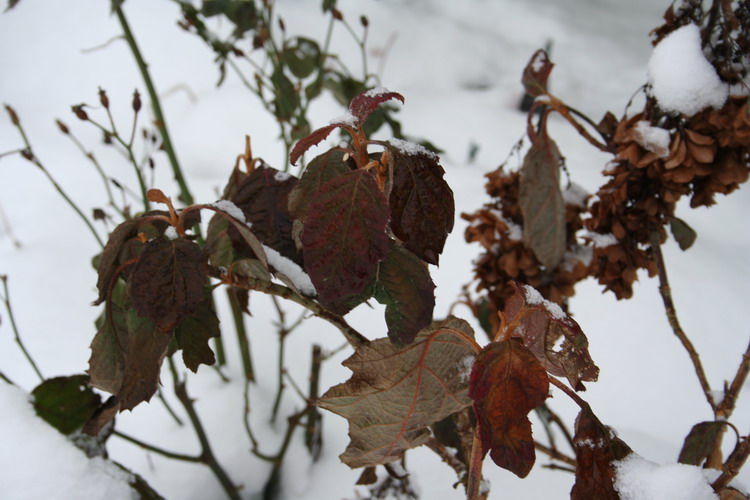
(230, 208)
(347, 119)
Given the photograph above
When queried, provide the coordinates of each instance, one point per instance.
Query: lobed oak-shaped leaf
(541, 202)
(536, 73)
(540, 324)
(596, 447)
(344, 237)
(405, 287)
(507, 382)
(396, 392)
(194, 332)
(167, 281)
(421, 202)
(263, 198)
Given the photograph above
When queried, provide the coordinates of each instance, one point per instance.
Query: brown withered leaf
(596, 448)
(507, 382)
(405, 287)
(536, 73)
(167, 281)
(541, 201)
(396, 392)
(263, 198)
(421, 202)
(193, 333)
(108, 263)
(344, 237)
(540, 324)
(146, 348)
(700, 442)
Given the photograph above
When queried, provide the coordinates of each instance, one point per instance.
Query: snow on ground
(458, 64)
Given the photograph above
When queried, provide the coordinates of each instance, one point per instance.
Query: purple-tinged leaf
(311, 140)
(194, 332)
(368, 101)
(421, 202)
(405, 287)
(319, 171)
(344, 236)
(263, 197)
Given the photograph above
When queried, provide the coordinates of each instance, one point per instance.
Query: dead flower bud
(63, 128)
(336, 13)
(136, 101)
(364, 21)
(13, 116)
(103, 98)
(80, 112)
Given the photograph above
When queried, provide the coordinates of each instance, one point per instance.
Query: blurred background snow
(458, 64)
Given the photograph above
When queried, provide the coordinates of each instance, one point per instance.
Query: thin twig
(733, 464)
(354, 338)
(207, 456)
(17, 335)
(555, 454)
(8, 228)
(248, 429)
(6, 379)
(726, 406)
(242, 339)
(666, 295)
(171, 411)
(159, 451)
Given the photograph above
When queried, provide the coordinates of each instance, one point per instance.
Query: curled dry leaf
(540, 324)
(536, 73)
(167, 281)
(507, 382)
(396, 392)
(421, 202)
(541, 201)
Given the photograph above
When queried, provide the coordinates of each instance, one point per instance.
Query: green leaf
(108, 350)
(194, 332)
(287, 100)
(328, 5)
(542, 203)
(682, 232)
(395, 393)
(66, 403)
(405, 287)
(302, 56)
(344, 237)
(700, 442)
(218, 247)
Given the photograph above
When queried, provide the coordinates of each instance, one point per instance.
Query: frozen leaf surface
(396, 392)
(507, 382)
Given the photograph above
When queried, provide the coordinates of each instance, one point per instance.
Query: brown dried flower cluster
(707, 154)
(497, 227)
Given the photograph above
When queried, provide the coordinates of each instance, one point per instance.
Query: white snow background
(459, 65)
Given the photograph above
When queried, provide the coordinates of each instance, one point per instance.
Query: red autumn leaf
(596, 448)
(109, 259)
(540, 324)
(311, 140)
(368, 101)
(344, 237)
(405, 287)
(536, 73)
(263, 197)
(507, 382)
(541, 201)
(421, 202)
(167, 281)
(395, 393)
